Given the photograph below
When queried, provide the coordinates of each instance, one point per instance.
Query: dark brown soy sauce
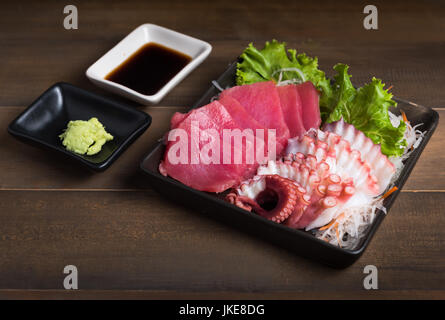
(149, 68)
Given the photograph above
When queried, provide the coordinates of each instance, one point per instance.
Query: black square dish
(297, 241)
(46, 118)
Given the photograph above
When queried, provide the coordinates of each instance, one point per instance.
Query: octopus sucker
(348, 190)
(334, 190)
(329, 202)
(334, 178)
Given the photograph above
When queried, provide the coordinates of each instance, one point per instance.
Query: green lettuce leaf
(263, 65)
(367, 109)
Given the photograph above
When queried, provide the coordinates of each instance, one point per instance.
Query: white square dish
(197, 49)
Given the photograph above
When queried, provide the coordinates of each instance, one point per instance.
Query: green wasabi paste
(85, 137)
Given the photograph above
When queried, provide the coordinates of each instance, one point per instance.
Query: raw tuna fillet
(262, 102)
(245, 121)
(309, 100)
(208, 122)
(292, 109)
(177, 118)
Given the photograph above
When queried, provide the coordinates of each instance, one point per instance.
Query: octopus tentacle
(301, 206)
(257, 194)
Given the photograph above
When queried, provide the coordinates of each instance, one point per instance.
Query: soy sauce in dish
(149, 68)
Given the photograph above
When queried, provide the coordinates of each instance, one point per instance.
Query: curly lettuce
(366, 108)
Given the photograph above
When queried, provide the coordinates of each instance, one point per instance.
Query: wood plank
(406, 51)
(27, 167)
(135, 240)
(166, 295)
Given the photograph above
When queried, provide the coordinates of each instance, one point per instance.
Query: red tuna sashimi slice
(245, 121)
(247, 145)
(194, 173)
(310, 105)
(177, 119)
(292, 109)
(241, 117)
(262, 102)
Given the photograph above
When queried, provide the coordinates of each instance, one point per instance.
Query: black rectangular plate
(46, 118)
(297, 241)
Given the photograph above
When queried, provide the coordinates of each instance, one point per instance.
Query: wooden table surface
(127, 241)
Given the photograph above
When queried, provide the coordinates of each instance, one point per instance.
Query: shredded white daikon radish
(351, 225)
(281, 82)
(286, 82)
(217, 86)
(413, 138)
